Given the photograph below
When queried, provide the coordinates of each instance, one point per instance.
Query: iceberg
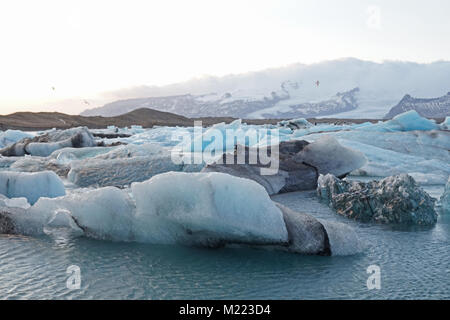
(32, 186)
(105, 213)
(383, 163)
(446, 124)
(37, 164)
(294, 124)
(407, 121)
(329, 156)
(197, 209)
(125, 165)
(342, 238)
(12, 136)
(14, 202)
(43, 145)
(445, 199)
(295, 164)
(396, 199)
(306, 234)
(206, 208)
(161, 210)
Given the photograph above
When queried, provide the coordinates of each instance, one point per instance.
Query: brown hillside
(147, 118)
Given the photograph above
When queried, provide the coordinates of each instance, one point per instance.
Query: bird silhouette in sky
(317, 83)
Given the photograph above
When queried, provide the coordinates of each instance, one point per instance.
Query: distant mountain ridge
(226, 105)
(429, 108)
(292, 91)
(147, 118)
(47, 120)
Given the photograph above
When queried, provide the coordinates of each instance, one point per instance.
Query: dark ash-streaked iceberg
(396, 200)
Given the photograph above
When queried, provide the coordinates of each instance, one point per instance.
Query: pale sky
(84, 48)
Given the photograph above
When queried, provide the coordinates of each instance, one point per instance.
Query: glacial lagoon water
(414, 263)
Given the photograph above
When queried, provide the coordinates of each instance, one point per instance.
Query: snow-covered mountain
(430, 108)
(277, 105)
(298, 90)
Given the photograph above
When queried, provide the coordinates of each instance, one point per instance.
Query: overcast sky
(56, 50)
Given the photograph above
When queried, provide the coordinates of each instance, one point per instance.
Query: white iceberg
(32, 186)
(104, 213)
(445, 199)
(12, 136)
(408, 121)
(198, 209)
(206, 207)
(329, 156)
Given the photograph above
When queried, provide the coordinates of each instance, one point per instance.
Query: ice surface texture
(44, 145)
(445, 198)
(207, 207)
(12, 136)
(299, 164)
(396, 199)
(198, 209)
(32, 186)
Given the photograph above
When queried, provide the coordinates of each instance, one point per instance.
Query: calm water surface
(414, 262)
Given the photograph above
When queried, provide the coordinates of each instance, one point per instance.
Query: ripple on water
(414, 262)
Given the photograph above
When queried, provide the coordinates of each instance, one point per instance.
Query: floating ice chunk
(104, 213)
(446, 124)
(6, 162)
(59, 135)
(223, 137)
(328, 156)
(67, 155)
(408, 121)
(396, 199)
(36, 164)
(425, 144)
(306, 234)
(45, 144)
(294, 124)
(63, 219)
(383, 163)
(343, 239)
(129, 151)
(14, 202)
(31, 185)
(165, 136)
(12, 136)
(445, 198)
(411, 120)
(123, 171)
(205, 208)
(428, 178)
(79, 140)
(199, 209)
